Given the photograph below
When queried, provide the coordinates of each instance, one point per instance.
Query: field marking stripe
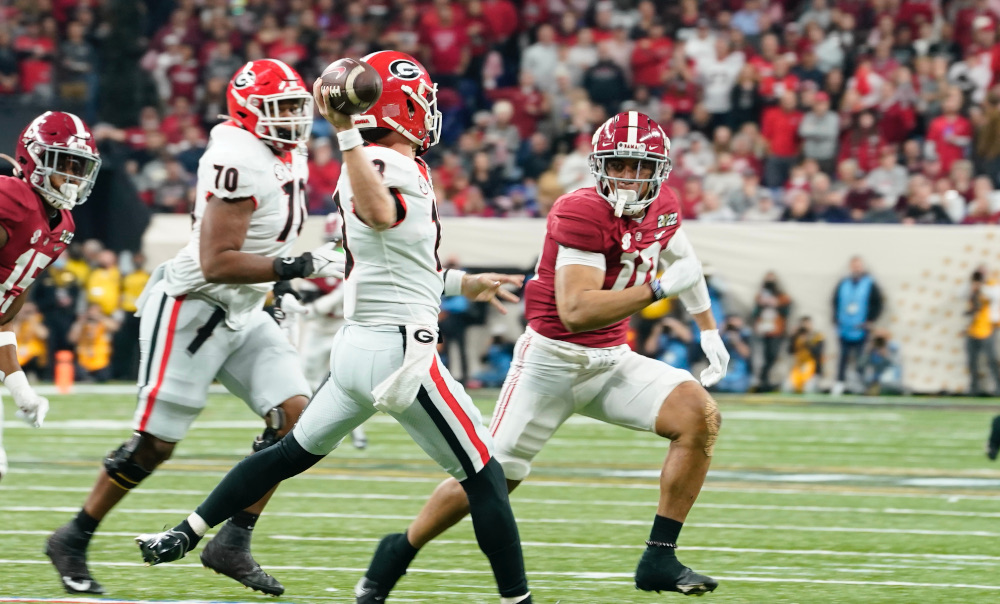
(819, 529)
(470, 542)
(570, 502)
(575, 575)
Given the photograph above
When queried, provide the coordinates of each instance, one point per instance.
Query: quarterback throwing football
(385, 357)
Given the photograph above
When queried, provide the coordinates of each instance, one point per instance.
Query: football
(350, 86)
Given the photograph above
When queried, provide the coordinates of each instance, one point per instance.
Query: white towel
(398, 391)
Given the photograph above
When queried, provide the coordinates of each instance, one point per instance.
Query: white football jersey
(394, 276)
(236, 165)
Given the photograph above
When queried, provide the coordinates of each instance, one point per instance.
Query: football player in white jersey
(202, 318)
(321, 316)
(385, 357)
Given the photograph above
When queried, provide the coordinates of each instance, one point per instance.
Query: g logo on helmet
(245, 78)
(404, 70)
(424, 336)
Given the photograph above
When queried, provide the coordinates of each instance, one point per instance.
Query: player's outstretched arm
(372, 202)
(488, 287)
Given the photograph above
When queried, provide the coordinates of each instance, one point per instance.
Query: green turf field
(805, 503)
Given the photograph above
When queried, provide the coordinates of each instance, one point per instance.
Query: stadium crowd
(849, 111)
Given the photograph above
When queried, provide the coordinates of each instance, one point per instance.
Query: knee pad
(275, 419)
(713, 421)
(121, 466)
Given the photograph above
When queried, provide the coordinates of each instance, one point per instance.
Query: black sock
(253, 477)
(86, 523)
(244, 520)
(194, 537)
(391, 560)
(665, 530)
(496, 530)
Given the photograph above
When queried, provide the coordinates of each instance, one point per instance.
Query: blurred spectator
(981, 209)
(9, 73)
(806, 347)
(979, 336)
(746, 102)
(950, 133)
(171, 194)
(651, 57)
(881, 365)
(669, 340)
(605, 81)
(717, 74)
(496, 362)
(770, 315)
(36, 56)
(780, 126)
(736, 336)
(799, 208)
(32, 341)
(920, 208)
(765, 209)
(91, 333)
(712, 209)
(104, 283)
(77, 67)
(125, 357)
(324, 172)
(575, 173)
(862, 142)
(857, 304)
(723, 180)
(820, 131)
(889, 178)
(542, 57)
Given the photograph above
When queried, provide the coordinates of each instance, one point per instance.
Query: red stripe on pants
(463, 418)
(167, 346)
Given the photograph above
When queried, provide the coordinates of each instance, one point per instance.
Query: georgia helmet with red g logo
(408, 104)
(333, 227)
(259, 92)
(630, 135)
(57, 143)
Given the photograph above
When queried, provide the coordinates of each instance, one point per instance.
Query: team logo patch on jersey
(281, 172)
(627, 241)
(66, 236)
(424, 336)
(424, 187)
(404, 70)
(666, 220)
(35, 237)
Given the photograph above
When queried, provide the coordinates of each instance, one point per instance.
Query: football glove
(717, 355)
(324, 261)
(679, 276)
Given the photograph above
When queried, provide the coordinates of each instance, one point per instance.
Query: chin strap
(17, 168)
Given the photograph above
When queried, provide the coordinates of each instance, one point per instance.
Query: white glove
(31, 407)
(717, 355)
(291, 305)
(679, 276)
(328, 261)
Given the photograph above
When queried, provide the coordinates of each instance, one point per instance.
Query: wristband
(453, 281)
(291, 267)
(8, 338)
(349, 139)
(16, 381)
(658, 293)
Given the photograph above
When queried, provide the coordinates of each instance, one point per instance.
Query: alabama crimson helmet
(630, 135)
(408, 104)
(333, 228)
(58, 144)
(255, 98)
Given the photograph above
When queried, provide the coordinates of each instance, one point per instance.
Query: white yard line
(613, 522)
(340, 495)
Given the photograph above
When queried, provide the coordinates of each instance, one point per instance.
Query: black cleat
(228, 553)
(167, 546)
(369, 592)
(660, 570)
(67, 548)
(992, 450)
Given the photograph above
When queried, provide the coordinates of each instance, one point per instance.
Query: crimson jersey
(31, 243)
(583, 220)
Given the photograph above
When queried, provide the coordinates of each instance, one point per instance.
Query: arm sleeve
(696, 299)
(569, 255)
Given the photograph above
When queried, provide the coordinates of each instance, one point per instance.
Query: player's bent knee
(690, 414)
(293, 409)
(131, 463)
(514, 470)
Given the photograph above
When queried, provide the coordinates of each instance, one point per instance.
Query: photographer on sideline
(736, 336)
(806, 348)
(881, 365)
